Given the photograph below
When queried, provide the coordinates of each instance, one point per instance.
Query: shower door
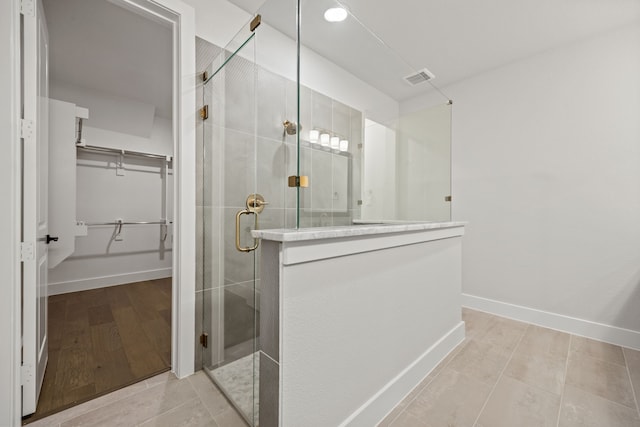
(245, 154)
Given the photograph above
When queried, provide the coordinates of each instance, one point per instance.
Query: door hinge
(204, 340)
(299, 181)
(26, 374)
(27, 252)
(204, 112)
(27, 8)
(26, 128)
(255, 23)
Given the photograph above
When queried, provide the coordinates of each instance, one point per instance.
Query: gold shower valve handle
(256, 203)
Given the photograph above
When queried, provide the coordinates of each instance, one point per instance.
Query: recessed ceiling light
(335, 14)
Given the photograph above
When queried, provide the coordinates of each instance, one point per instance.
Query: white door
(34, 193)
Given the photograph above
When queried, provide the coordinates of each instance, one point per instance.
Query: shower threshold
(240, 382)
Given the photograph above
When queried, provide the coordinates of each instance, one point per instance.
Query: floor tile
(452, 398)
(416, 391)
(604, 379)
(503, 333)
(475, 321)
(230, 418)
(190, 414)
(139, 407)
(408, 420)
(542, 371)
(75, 411)
(632, 357)
(480, 361)
(209, 394)
(514, 403)
(540, 341)
(582, 409)
(598, 350)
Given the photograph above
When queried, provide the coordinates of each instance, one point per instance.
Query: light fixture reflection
(335, 14)
(313, 136)
(324, 139)
(344, 145)
(335, 142)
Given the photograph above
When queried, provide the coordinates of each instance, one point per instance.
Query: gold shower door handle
(255, 205)
(256, 242)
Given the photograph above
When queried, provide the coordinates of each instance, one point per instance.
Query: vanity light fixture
(335, 142)
(344, 145)
(313, 136)
(324, 139)
(335, 14)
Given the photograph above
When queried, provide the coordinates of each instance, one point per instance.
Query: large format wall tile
(240, 95)
(321, 113)
(272, 179)
(271, 105)
(240, 168)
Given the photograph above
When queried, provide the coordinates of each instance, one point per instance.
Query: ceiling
(97, 45)
(454, 39)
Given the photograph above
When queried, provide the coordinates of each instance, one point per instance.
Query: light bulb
(335, 142)
(335, 14)
(324, 139)
(313, 136)
(344, 145)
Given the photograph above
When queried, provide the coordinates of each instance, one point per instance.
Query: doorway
(105, 289)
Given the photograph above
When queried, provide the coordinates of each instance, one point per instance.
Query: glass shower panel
(352, 83)
(230, 151)
(249, 149)
(423, 159)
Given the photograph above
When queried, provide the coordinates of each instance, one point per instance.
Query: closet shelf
(97, 149)
(92, 224)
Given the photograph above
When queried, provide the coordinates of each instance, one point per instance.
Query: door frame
(182, 19)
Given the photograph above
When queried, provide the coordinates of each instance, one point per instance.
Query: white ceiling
(97, 45)
(455, 39)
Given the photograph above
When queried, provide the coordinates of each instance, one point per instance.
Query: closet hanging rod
(90, 224)
(95, 148)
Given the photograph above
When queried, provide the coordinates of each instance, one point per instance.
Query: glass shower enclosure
(296, 131)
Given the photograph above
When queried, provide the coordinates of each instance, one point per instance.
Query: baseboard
(104, 281)
(383, 402)
(585, 328)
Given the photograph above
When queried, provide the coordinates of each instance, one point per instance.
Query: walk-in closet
(107, 299)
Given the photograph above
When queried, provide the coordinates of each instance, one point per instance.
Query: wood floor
(104, 339)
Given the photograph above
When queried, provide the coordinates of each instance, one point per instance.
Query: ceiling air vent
(419, 77)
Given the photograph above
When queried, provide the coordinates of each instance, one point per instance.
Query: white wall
(103, 195)
(546, 169)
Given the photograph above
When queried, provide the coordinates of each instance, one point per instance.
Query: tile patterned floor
(159, 401)
(508, 373)
(505, 373)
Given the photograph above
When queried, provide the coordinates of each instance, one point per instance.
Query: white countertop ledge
(302, 234)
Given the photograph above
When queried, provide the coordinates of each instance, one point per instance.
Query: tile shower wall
(228, 168)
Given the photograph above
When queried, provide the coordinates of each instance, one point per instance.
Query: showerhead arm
(290, 127)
